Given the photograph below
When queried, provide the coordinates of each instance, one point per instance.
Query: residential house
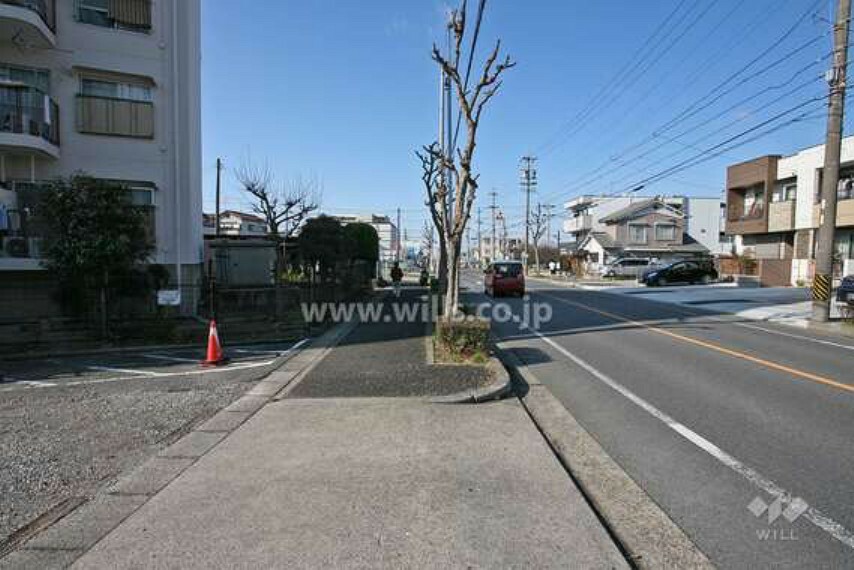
(773, 211)
(703, 218)
(111, 88)
(646, 228)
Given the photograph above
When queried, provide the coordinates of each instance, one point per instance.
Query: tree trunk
(537, 258)
(452, 290)
(443, 265)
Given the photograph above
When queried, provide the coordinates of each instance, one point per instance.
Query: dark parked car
(691, 271)
(504, 278)
(845, 293)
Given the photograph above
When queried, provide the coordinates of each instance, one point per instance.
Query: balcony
(29, 23)
(21, 245)
(578, 224)
(845, 212)
(781, 216)
(29, 121)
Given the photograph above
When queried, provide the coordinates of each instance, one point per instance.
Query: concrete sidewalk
(323, 477)
(368, 483)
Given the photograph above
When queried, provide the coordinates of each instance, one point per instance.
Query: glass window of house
(665, 232)
(637, 233)
(94, 12)
(36, 78)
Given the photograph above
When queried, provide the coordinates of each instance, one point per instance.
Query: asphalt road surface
(741, 431)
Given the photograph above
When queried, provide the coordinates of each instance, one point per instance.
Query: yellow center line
(716, 347)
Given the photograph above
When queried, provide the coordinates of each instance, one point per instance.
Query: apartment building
(773, 210)
(112, 89)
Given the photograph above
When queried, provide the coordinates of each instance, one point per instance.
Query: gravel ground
(59, 443)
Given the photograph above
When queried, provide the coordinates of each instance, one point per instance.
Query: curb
(500, 387)
(68, 536)
(645, 534)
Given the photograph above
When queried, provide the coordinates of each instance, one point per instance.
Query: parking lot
(70, 425)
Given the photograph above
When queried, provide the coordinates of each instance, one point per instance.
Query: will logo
(791, 511)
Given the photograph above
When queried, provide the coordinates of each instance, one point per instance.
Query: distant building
(650, 228)
(234, 224)
(387, 232)
(701, 222)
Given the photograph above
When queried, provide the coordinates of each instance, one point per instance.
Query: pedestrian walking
(396, 278)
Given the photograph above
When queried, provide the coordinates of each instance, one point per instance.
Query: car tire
(705, 280)
(661, 282)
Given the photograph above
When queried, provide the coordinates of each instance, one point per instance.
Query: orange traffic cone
(215, 355)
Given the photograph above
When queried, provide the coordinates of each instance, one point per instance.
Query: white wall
(703, 222)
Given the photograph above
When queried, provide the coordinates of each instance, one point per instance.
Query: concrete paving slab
(224, 421)
(194, 444)
(152, 476)
(85, 526)
(368, 483)
(247, 404)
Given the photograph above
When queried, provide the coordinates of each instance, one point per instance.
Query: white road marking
(813, 515)
(124, 370)
(171, 358)
(798, 336)
(33, 383)
(138, 375)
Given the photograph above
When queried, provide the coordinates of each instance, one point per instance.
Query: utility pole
(479, 240)
(823, 281)
(398, 234)
(549, 215)
(218, 188)
(493, 207)
(528, 180)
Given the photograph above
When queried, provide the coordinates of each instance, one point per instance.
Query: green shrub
(463, 340)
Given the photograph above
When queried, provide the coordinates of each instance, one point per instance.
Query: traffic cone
(215, 355)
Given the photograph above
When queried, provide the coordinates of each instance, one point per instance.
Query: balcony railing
(46, 9)
(22, 239)
(28, 111)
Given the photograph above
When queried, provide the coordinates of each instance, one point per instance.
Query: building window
(785, 192)
(665, 232)
(637, 233)
(845, 190)
(115, 90)
(754, 203)
(130, 15)
(118, 108)
(36, 78)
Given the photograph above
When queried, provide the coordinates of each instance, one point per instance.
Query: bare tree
(451, 217)
(430, 159)
(539, 226)
(284, 206)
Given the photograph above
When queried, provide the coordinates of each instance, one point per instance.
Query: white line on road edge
(124, 370)
(813, 515)
(798, 336)
(170, 358)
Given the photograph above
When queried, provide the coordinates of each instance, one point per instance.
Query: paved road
(708, 415)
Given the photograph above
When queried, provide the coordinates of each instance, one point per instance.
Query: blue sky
(345, 90)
